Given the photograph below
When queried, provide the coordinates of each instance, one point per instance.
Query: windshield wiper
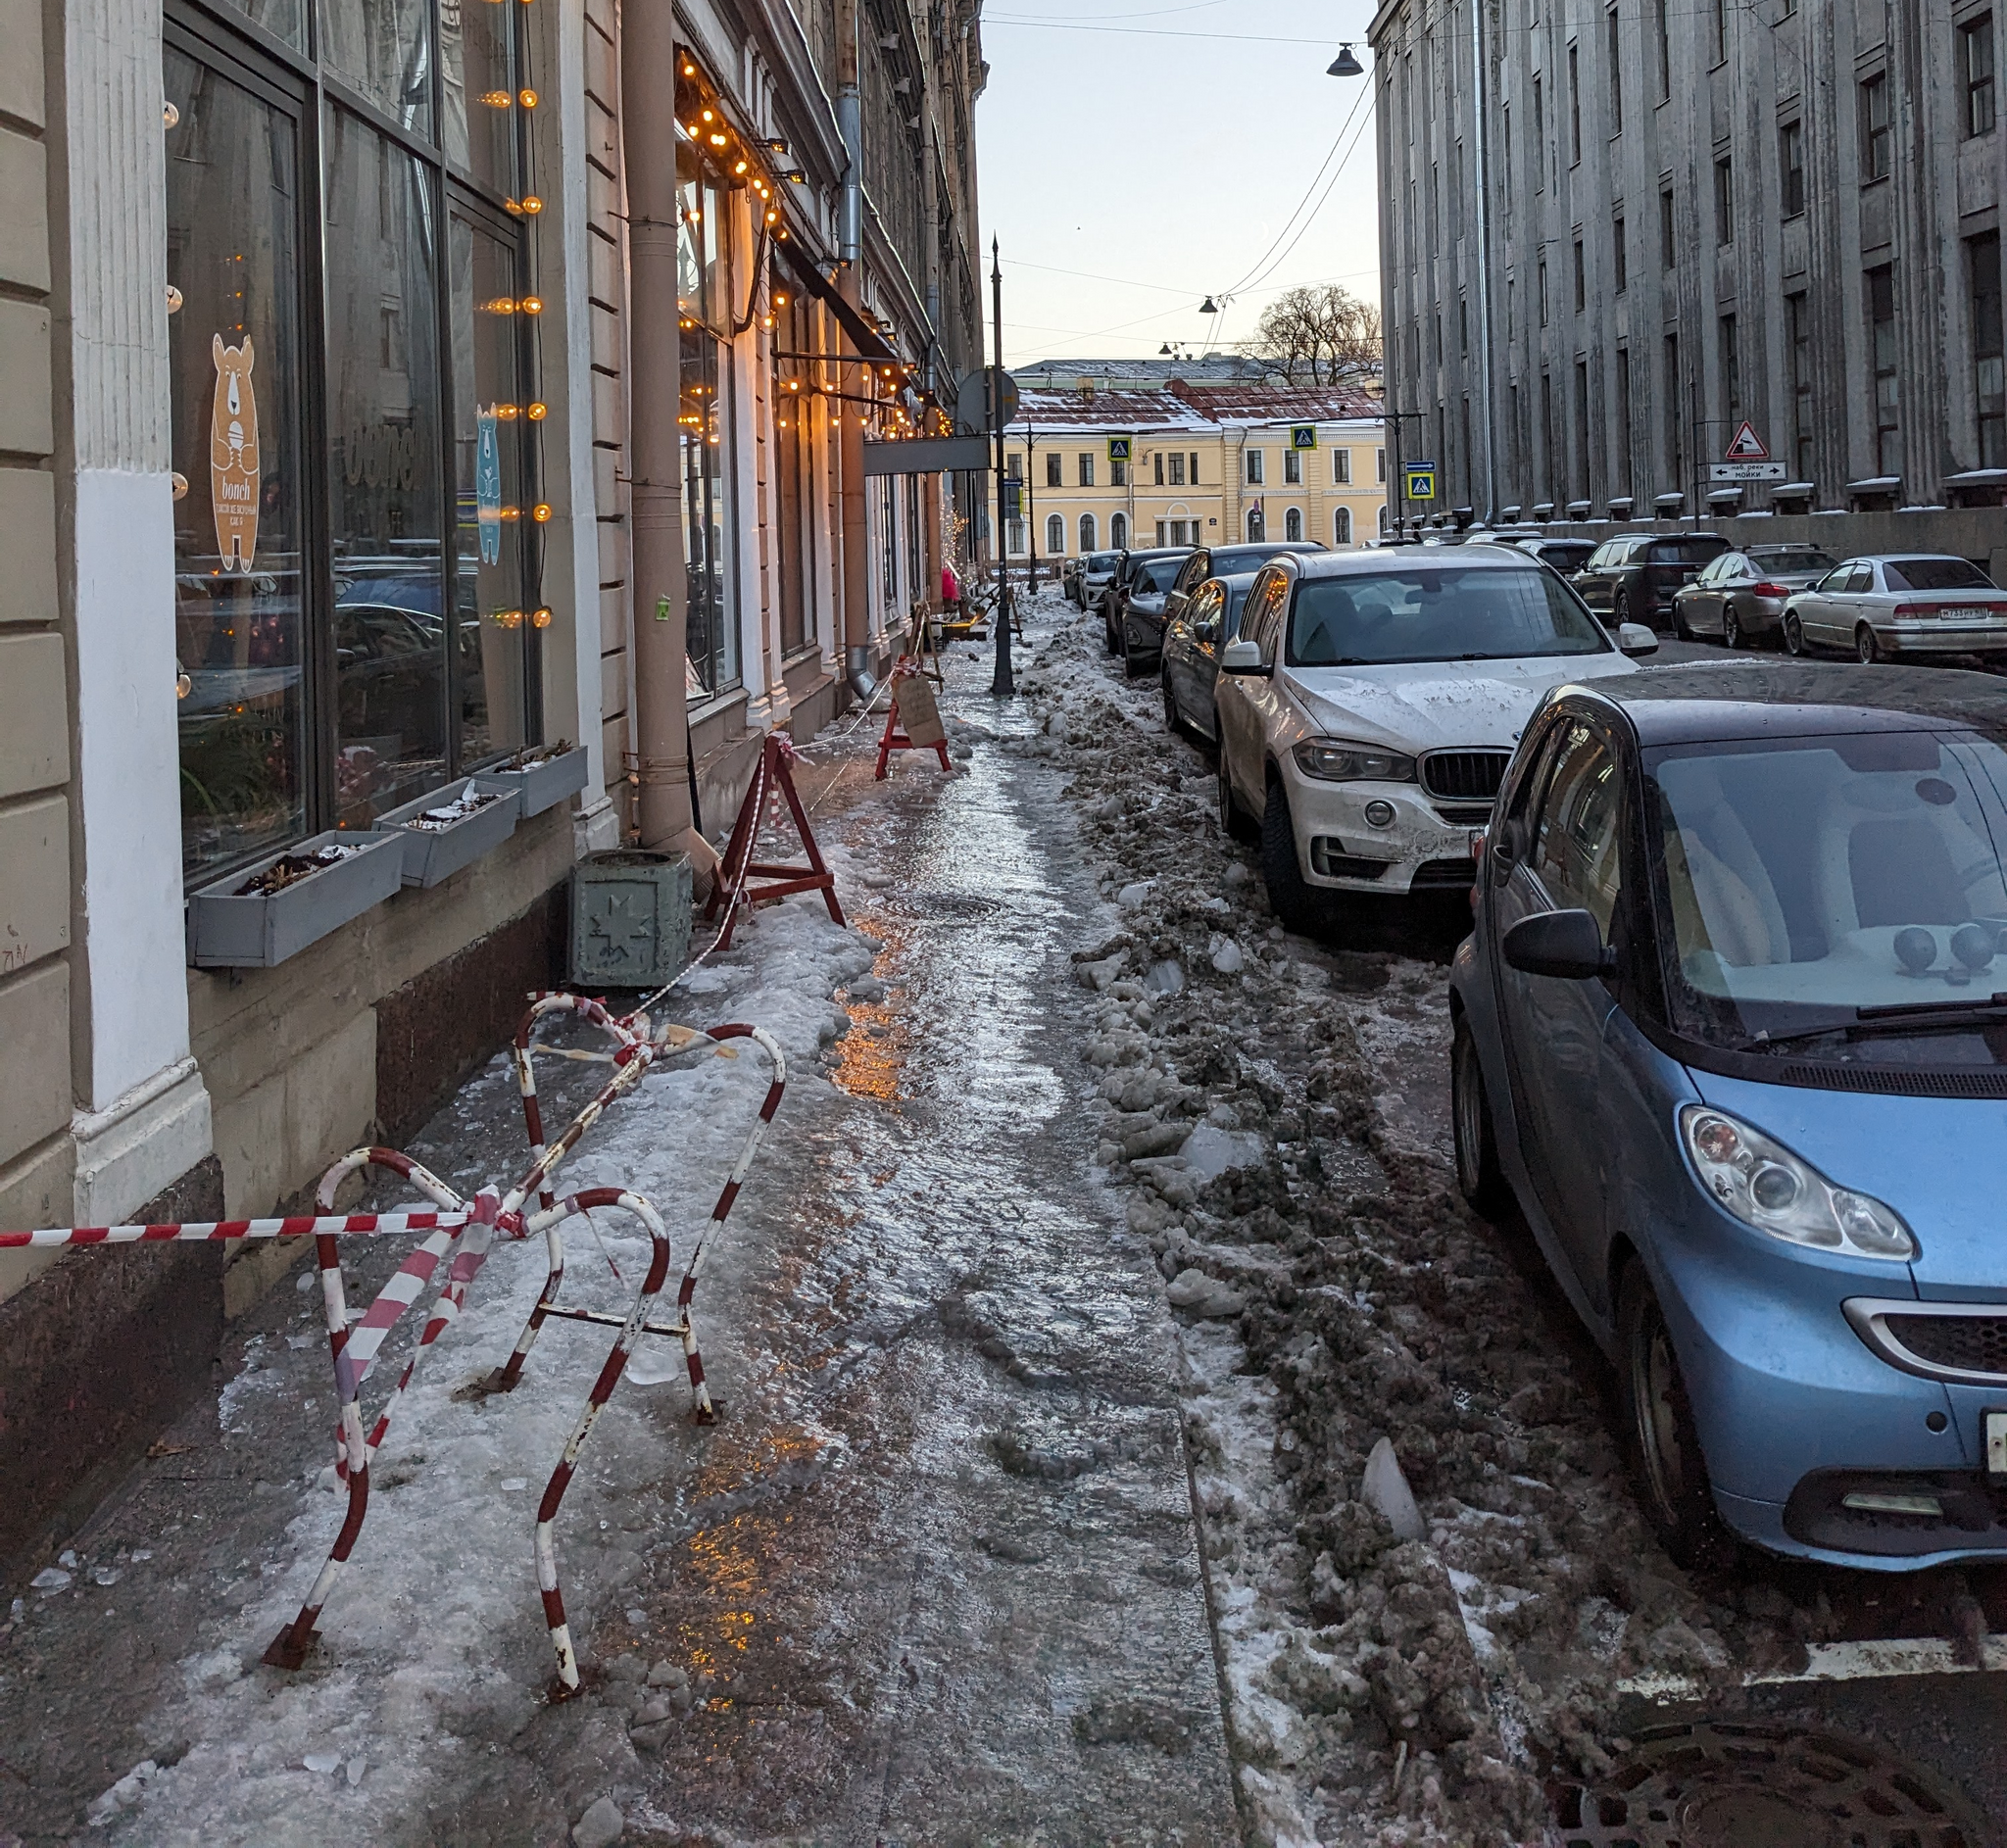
(1902, 1017)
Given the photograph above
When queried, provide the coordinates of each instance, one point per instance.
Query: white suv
(1370, 706)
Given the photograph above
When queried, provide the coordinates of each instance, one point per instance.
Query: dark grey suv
(1634, 578)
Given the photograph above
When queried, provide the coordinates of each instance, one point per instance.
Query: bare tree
(1318, 336)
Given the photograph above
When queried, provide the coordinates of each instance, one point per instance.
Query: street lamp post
(1003, 681)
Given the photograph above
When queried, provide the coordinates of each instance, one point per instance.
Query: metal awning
(869, 344)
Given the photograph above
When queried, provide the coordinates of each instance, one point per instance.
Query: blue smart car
(1731, 1029)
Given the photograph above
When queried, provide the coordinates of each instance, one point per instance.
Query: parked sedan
(1144, 575)
(1095, 573)
(1369, 705)
(1210, 561)
(1881, 606)
(1633, 579)
(1727, 1030)
(1210, 620)
(1740, 596)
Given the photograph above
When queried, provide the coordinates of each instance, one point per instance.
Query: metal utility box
(630, 918)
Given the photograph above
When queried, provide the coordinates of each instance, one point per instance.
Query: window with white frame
(1055, 535)
(1341, 526)
(1293, 467)
(1340, 466)
(1118, 530)
(1257, 468)
(1293, 524)
(1086, 534)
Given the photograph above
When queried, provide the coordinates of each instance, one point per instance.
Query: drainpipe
(849, 123)
(849, 249)
(659, 578)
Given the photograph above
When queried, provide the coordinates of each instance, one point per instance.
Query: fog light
(1926, 1505)
(1380, 814)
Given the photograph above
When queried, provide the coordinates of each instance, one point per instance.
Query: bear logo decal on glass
(233, 455)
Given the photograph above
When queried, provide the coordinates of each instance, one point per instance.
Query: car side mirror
(1565, 943)
(1637, 638)
(1241, 657)
(1207, 631)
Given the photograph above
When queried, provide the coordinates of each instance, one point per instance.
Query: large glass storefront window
(233, 187)
(703, 292)
(345, 644)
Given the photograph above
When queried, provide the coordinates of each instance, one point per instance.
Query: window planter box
(230, 929)
(435, 853)
(630, 918)
(543, 782)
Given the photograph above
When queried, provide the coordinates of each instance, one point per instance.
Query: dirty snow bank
(1271, 1104)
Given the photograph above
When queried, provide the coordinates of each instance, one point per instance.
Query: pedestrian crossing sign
(1302, 436)
(1118, 448)
(1421, 481)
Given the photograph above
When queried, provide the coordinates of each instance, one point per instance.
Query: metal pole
(1002, 683)
(1477, 58)
(1031, 511)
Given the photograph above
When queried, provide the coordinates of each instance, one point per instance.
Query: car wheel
(1681, 628)
(1132, 662)
(1732, 635)
(1794, 636)
(1174, 721)
(1479, 1178)
(1866, 647)
(1290, 896)
(1620, 610)
(1232, 822)
(1108, 640)
(1679, 1500)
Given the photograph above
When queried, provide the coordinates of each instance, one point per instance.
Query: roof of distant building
(1071, 374)
(1185, 404)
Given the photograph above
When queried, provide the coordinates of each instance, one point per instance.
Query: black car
(1634, 578)
(1144, 634)
(1139, 575)
(1210, 620)
(1566, 555)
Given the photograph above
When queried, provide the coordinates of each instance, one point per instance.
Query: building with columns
(394, 395)
(1612, 231)
(1195, 465)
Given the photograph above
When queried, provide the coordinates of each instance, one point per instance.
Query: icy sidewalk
(931, 1579)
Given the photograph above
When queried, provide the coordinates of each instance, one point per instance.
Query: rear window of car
(1161, 575)
(1934, 575)
(1566, 558)
(1100, 561)
(1781, 559)
(1697, 550)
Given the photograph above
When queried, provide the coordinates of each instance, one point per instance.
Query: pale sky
(1135, 159)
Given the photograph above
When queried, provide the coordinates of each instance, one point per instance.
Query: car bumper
(1793, 1409)
(1142, 632)
(1422, 849)
(1940, 637)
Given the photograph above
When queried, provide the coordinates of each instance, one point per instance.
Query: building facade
(1194, 465)
(393, 393)
(1613, 234)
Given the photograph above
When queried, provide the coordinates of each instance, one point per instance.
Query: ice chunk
(1386, 1492)
(1227, 957)
(599, 1826)
(1133, 897)
(667, 1675)
(67, 1559)
(1205, 1297)
(104, 1575)
(1209, 1151)
(356, 1768)
(322, 1762)
(514, 1485)
(50, 1579)
(1165, 978)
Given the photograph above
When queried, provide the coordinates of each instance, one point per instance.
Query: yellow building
(1195, 464)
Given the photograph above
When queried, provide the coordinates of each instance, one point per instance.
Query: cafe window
(703, 291)
(356, 615)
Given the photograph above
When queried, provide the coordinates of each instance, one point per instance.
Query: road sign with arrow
(1745, 459)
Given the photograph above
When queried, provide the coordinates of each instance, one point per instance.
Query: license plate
(1996, 1447)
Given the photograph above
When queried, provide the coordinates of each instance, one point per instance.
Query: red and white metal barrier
(461, 1235)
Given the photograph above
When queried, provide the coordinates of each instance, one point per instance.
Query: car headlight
(1336, 762)
(1767, 1186)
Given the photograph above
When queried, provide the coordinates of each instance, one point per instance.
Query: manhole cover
(1725, 1785)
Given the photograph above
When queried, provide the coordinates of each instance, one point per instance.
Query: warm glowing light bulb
(542, 619)
(532, 204)
(538, 412)
(541, 511)
(528, 99)
(532, 304)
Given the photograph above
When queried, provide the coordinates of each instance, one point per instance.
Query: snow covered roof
(1185, 405)
(1119, 411)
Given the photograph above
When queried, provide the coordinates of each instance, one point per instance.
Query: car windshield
(1933, 574)
(1792, 562)
(1100, 561)
(1437, 613)
(1801, 881)
(1159, 576)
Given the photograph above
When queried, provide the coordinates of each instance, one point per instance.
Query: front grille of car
(1961, 1344)
(1447, 874)
(1464, 776)
(1465, 814)
(1895, 1080)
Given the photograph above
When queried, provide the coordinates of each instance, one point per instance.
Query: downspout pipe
(849, 249)
(661, 743)
(850, 125)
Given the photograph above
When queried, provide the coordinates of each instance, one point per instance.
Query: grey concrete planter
(230, 930)
(630, 918)
(432, 855)
(541, 785)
